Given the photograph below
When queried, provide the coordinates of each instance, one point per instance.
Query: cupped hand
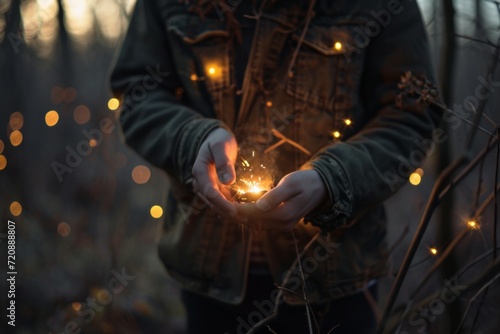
(213, 171)
(282, 207)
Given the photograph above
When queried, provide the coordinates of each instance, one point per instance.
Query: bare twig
(485, 286)
(303, 281)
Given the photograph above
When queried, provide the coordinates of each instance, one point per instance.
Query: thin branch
(486, 286)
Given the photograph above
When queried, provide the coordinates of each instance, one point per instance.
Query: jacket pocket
(328, 67)
(201, 52)
(325, 81)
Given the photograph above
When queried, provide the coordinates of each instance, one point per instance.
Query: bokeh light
(16, 208)
(337, 46)
(51, 118)
(336, 134)
(3, 162)
(69, 94)
(81, 115)
(156, 211)
(57, 94)
(16, 121)
(92, 142)
(16, 138)
(76, 306)
(141, 174)
(63, 229)
(433, 250)
(2, 146)
(113, 104)
(415, 179)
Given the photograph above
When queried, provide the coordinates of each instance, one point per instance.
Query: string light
(16, 208)
(473, 225)
(156, 211)
(211, 70)
(113, 104)
(337, 46)
(336, 134)
(16, 138)
(51, 118)
(269, 104)
(433, 251)
(92, 143)
(194, 77)
(348, 122)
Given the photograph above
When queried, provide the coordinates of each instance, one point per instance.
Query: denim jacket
(335, 97)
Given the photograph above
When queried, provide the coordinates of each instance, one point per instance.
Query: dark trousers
(352, 314)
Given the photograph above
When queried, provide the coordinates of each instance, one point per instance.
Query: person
(212, 90)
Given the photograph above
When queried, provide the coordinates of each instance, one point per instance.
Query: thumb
(223, 163)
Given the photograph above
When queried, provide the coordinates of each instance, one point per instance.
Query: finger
(206, 184)
(223, 155)
(274, 197)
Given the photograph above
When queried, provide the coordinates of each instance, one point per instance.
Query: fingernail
(224, 177)
(262, 204)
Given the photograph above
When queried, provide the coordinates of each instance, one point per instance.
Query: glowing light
(92, 142)
(63, 229)
(81, 115)
(433, 251)
(3, 162)
(57, 94)
(156, 211)
(16, 138)
(16, 121)
(415, 179)
(337, 46)
(51, 118)
(348, 122)
(269, 104)
(76, 306)
(473, 224)
(141, 174)
(419, 171)
(15, 208)
(336, 134)
(69, 95)
(194, 77)
(2, 146)
(211, 70)
(113, 104)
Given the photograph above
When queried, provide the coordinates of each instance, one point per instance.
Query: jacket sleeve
(159, 128)
(370, 166)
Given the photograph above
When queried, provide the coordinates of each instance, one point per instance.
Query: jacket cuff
(338, 210)
(193, 135)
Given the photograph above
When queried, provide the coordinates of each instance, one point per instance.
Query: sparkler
(253, 182)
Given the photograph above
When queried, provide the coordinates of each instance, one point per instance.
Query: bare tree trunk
(66, 72)
(446, 211)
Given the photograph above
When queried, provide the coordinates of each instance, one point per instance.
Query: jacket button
(222, 282)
